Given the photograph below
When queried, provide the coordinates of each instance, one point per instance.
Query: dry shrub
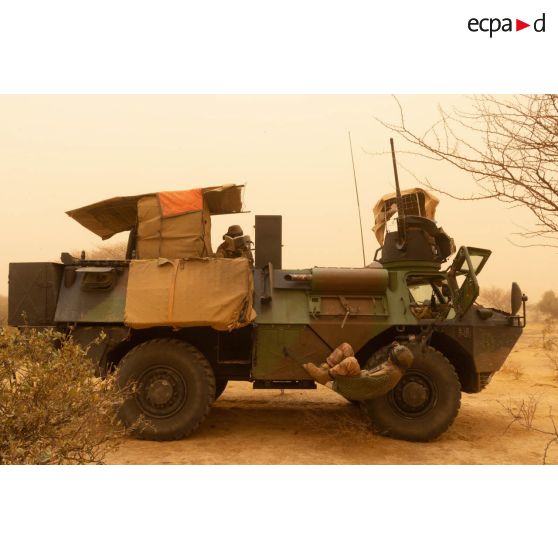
(3, 310)
(53, 410)
(515, 369)
(106, 251)
(524, 412)
(548, 304)
(550, 344)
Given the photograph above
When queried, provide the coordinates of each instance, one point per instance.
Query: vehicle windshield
(430, 296)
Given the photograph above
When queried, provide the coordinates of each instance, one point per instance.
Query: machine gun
(401, 231)
(418, 237)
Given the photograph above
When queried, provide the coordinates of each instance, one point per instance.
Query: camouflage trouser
(368, 385)
(355, 384)
(341, 362)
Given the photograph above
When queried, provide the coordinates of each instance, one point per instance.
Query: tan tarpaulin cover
(108, 217)
(177, 203)
(187, 235)
(186, 293)
(430, 203)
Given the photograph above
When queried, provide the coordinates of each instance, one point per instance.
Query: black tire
(220, 386)
(424, 403)
(173, 387)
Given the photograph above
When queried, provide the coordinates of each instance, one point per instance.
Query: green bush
(53, 410)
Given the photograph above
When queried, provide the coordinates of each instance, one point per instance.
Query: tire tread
(455, 395)
(204, 365)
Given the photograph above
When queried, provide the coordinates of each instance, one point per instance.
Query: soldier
(341, 372)
(227, 250)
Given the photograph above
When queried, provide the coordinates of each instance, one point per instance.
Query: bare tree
(495, 297)
(114, 251)
(107, 251)
(548, 304)
(510, 147)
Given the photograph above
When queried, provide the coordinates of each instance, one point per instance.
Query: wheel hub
(161, 391)
(414, 395)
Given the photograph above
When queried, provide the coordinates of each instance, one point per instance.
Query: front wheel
(171, 385)
(424, 403)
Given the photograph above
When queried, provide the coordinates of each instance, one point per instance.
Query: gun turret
(418, 238)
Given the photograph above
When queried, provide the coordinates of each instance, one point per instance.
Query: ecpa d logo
(492, 25)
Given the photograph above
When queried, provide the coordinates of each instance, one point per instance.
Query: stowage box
(33, 293)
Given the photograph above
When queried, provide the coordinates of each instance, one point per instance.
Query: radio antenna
(358, 201)
(399, 201)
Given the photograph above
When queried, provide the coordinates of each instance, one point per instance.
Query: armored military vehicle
(180, 323)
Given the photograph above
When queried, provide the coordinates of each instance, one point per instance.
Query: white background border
(274, 47)
(292, 46)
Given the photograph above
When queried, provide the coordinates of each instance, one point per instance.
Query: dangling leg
(343, 351)
(319, 373)
(340, 362)
(347, 367)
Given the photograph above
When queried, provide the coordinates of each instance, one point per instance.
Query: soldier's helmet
(234, 231)
(401, 356)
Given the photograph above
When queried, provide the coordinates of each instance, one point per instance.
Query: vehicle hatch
(462, 277)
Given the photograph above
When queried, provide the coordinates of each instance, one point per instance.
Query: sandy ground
(319, 427)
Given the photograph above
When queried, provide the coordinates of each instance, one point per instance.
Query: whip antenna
(401, 233)
(358, 201)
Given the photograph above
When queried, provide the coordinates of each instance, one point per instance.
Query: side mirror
(516, 298)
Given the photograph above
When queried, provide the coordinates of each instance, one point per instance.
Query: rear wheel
(423, 404)
(172, 389)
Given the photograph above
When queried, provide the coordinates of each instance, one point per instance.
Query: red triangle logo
(519, 25)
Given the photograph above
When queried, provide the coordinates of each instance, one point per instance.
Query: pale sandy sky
(62, 152)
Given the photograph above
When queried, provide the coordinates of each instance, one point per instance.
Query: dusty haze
(63, 152)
